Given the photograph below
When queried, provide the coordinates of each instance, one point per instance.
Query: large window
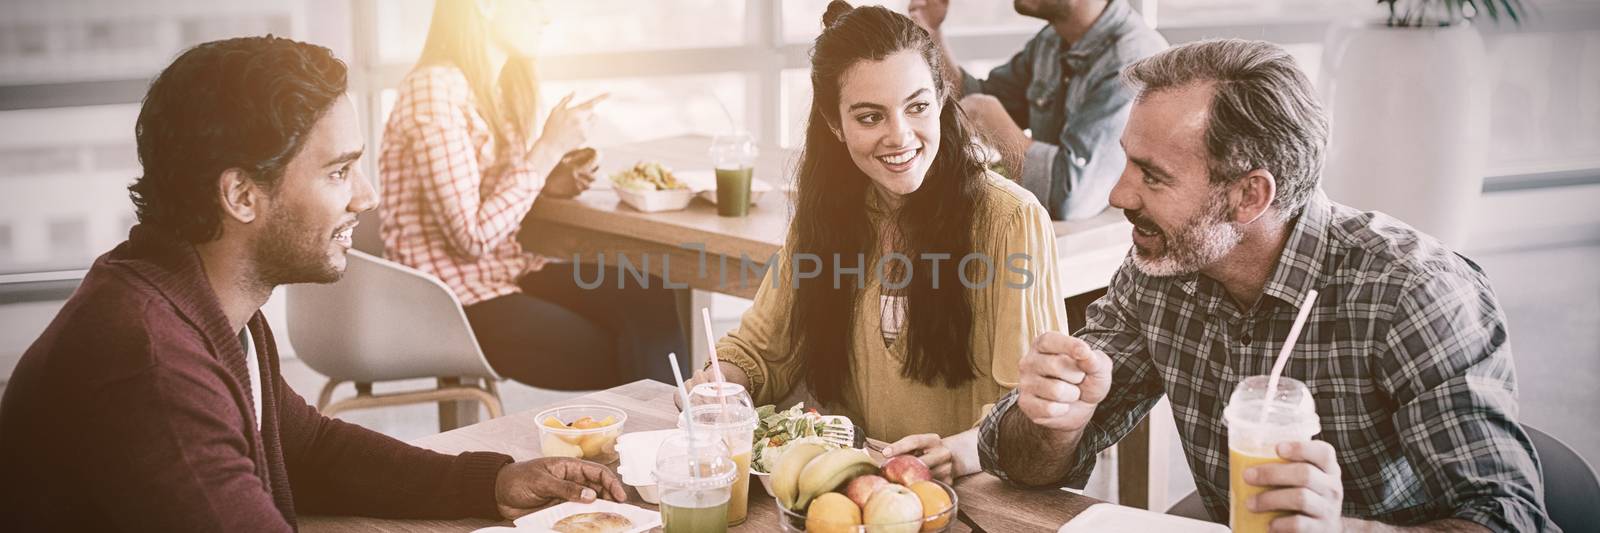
(73, 71)
(71, 75)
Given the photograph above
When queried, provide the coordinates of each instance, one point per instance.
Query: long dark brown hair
(831, 216)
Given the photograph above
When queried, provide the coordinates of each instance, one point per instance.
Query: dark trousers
(556, 334)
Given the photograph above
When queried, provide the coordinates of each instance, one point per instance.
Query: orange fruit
(832, 512)
(934, 501)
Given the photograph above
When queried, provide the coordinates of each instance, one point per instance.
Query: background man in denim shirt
(1064, 87)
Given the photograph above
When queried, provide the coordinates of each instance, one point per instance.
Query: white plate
(1112, 518)
(643, 519)
(704, 184)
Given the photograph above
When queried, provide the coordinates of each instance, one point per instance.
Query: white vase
(1410, 123)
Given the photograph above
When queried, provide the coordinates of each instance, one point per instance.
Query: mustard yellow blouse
(1009, 312)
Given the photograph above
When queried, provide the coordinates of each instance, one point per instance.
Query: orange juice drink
(725, 409)
(1255, 428)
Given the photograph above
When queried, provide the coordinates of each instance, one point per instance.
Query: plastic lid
(1290, 415)
(704, 463)
(720, 406)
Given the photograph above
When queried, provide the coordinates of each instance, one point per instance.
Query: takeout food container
(638, 453)
(598, 444)
(792, 522)
(655, 201)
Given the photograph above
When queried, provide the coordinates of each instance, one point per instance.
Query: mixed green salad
(777, 430)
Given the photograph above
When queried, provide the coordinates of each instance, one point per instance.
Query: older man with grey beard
(1405, 352)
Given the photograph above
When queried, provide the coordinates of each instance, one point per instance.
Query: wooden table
(985, 501)
(597, 224)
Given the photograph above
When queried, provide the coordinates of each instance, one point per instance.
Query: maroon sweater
(133, 412)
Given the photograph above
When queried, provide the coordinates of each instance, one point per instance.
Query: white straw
(732, 126)
(688, 411)
(1288, 346)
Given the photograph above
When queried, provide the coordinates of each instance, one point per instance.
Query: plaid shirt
(449, 207)
(1405, 353)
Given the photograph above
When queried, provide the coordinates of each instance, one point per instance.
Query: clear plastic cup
(733, 155)
(1253, 439)
(694, 479)
(725, 409)
(583, 431)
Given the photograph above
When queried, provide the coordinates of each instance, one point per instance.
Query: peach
(597, 444)
(905, 470)
(893, 509)
(558, 446)
(861, 488)
(934, 501)
(832, 512)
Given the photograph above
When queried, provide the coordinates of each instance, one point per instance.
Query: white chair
(385, 322)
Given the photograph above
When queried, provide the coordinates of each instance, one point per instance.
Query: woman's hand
(573, 175)
(567, 127)
(931, 449)
(729, 372)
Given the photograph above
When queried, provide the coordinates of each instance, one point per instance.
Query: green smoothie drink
(733, 155)
(733, 191)
(695, 476)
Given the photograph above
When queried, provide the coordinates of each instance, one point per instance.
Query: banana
(786, 477)
(828, 471)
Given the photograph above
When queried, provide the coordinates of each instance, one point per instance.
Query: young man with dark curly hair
(154, 400)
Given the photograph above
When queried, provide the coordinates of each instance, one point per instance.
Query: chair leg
(327, 394)
(452, 397)
(493, 404)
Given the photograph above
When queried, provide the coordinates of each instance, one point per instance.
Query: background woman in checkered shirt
(463, 162)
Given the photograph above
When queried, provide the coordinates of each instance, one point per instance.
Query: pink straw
(1288, 346)
(716, 366)
(711, 344)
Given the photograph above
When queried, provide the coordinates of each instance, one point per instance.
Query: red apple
(861, 488)
(905, 470)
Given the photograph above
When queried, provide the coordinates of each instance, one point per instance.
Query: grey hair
(1264, 113)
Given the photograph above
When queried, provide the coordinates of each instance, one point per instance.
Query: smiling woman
(889, 172)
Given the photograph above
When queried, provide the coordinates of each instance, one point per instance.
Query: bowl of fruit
(842, 490)
(583, 431)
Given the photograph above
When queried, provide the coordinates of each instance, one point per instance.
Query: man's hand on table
(527, 486)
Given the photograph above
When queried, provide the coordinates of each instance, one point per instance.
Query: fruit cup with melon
(584, 431)
(842, 491)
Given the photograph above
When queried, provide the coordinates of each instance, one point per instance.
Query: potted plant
(1408, 98)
